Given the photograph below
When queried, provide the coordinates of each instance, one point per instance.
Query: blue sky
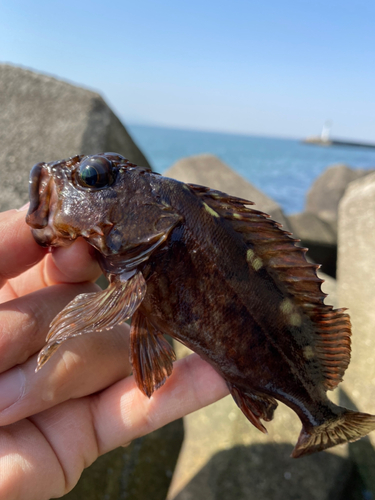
(268, 68)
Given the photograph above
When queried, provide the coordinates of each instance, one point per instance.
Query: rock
(45, 119)
(224, 457)
(317, 226)
(362, 454)
(142, 470)
(319, 237)
(356, 287)
(208, 170)
(356, 291)
(309, 227)
(326, 192)
(330, 288)
(265, 471)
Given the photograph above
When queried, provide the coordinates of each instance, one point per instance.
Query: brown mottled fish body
(213, 273)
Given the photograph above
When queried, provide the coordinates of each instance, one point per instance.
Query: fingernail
(12, 387)
(24, 208)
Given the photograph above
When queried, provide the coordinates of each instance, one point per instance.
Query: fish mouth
(43, 205)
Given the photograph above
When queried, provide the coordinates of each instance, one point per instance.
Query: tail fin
(349, 426)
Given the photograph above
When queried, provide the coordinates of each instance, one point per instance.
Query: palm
(83, 403)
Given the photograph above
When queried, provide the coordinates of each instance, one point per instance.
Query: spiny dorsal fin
(275, 249)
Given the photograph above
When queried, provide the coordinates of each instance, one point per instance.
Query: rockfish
(210, 271)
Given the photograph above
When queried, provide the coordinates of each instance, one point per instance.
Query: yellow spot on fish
(286, 306)
(210, 211)
(295, 319)
(308, 352)
(250, 255)
(236, 216)
(255, 261)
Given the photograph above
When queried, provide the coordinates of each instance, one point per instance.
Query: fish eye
(95, 172)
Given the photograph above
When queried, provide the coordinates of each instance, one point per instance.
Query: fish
(208, 270)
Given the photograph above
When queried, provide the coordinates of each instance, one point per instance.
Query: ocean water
(284, 169)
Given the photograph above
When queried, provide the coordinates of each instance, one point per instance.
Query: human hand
(83, 402)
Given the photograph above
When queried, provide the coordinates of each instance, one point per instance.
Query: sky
(266, 68)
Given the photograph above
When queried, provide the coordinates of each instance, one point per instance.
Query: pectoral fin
(97, 311)
(150, 354)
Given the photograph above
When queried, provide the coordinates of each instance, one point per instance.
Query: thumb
(73, 264)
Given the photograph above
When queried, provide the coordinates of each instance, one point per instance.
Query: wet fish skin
(211, 272)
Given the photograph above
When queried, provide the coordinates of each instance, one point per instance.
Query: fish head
(75, 197)
(104, 198)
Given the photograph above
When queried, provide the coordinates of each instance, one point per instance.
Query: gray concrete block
(45, 119)
(356, 291)
(326, 192)
(356, 287)
(319, 237)
(309, 227)
(142, 470)
(224, 457)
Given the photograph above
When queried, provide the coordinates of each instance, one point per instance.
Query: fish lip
(44, 237)
(34, 188)
(43, 203)
(37, 215)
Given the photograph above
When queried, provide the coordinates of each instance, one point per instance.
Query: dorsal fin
(275, 249)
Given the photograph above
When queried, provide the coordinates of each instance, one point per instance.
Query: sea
(284, 169)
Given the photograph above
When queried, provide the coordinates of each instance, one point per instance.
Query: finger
(7, 293)
(26, 460)
(24, 322)
(81, 366)
(27, 282)
(122, 413)
(73, 264)
(18, 249)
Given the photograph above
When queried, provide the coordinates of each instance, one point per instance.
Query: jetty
(325, 139)
(318, 141)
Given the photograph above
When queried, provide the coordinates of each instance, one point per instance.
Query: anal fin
(254, 406)
(150, 354)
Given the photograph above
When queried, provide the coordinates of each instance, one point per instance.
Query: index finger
(18, 249)
(19, 253)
